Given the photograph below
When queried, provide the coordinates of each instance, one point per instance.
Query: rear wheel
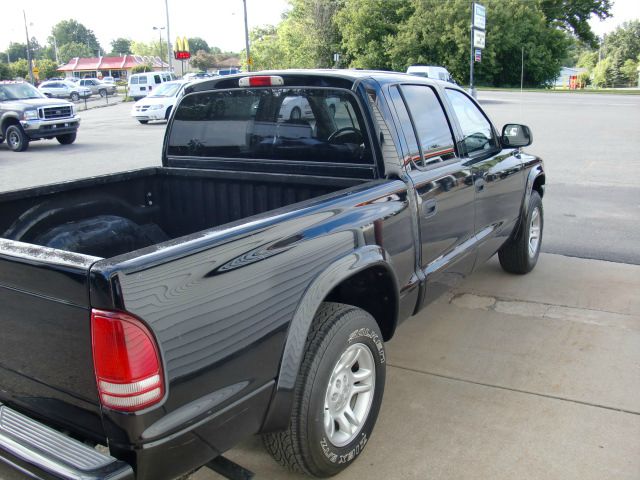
(337, 395)
(17, 140)
(75, 97)
(520, 254)
(103, 93)
(66, 139)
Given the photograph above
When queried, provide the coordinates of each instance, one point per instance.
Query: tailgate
(46, 367)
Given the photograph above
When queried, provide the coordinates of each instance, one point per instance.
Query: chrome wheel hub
(534, 232)
(349, 394)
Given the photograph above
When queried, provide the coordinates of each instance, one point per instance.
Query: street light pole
(166, 7)
(160, 36)
(26, 31)
(246, 36)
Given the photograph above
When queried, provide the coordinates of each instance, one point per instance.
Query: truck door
(498, 175)
(443, 182)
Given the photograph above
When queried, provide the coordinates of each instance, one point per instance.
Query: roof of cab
(312, 77)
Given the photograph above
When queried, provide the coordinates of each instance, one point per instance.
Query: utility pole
(166, 7)
(246, 36)
(26, 31)
(160, 36)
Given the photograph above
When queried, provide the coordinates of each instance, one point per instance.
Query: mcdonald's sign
(181, 50)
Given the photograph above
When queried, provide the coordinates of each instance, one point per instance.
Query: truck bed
(108, 216)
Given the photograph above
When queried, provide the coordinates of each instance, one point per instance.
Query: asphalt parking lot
(506, 377)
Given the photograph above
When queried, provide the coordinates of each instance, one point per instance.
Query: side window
(413, 155)
(142, 80)
(134, 80)
(431, 124)
(156, 78)
(476, 129)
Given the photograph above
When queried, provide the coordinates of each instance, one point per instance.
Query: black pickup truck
(153, 319)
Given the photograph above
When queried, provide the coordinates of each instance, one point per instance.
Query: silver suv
(97, 87)
(64, 89)
(26, 115)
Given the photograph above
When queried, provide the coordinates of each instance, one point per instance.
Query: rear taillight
(126, 362)
(261, 81)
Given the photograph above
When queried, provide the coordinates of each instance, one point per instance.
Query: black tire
(103, 93)
(17, 140)
(295, 114)
(144, 122)
(75, 97)
(516, 256)
(306, 446)
(67, 138)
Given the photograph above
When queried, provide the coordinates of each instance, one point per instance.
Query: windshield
(18, 91)
(166, 90)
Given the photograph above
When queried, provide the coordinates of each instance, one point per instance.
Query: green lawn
(600, 91)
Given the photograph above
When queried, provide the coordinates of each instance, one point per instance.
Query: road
(590, 145)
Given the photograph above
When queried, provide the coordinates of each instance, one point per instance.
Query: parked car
(97, 87)
(197, 75)
(109, 80)
(142, 84)
(158, 104)
(64, 89)
(247, 285)
(430, 71)
(297, 107)
(27, 115)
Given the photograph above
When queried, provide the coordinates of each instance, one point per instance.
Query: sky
(219, 22)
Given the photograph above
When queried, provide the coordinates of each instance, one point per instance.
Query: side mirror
(516, 135)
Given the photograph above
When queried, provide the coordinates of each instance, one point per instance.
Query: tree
(120, 46)
(71, 50)
(196, 44)
(150, 49)
(368, 30)
(72, 31)
(630, 71)
(5, 72)
(573, 16)
(626, 39)
(16, 51)
(203, 60)
(20, 68)
(587, 60)
(48, 68)
(266, 50)
(145, 67)
(601, 72)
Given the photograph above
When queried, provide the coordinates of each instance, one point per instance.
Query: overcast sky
(219, 22)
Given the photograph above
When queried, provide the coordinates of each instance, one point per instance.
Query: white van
(141, 84)
(429, 71)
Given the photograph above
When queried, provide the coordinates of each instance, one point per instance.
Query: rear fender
(277, 417)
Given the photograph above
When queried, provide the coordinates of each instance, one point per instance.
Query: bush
(142, 68)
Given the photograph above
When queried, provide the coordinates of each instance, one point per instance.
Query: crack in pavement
(517, 390)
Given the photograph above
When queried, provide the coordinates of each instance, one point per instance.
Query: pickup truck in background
(153, 319)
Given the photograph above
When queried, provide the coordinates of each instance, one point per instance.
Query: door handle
(429, 208)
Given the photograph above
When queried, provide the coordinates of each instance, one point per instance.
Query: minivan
(141, 84)
(430, 71)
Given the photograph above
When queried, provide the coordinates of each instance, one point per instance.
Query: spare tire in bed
(101, 236)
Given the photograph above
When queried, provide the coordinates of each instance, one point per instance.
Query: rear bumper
(44, 453)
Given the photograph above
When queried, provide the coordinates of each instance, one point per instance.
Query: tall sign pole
(166, 6)
(246, 36)
(26, 31)
(478, 26)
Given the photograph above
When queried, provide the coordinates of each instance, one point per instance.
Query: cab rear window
(296, 124)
